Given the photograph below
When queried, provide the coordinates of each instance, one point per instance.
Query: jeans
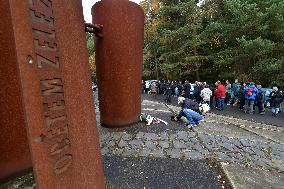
(275, 110)
(192, 116)
(249, 105)
(220, 103)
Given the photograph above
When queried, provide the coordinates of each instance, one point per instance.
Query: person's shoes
(190, 126)
(262, 113)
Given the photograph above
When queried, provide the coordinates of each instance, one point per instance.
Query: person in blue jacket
(250, 97)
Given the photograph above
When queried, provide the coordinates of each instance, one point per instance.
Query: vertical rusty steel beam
(14, 147)
(49, 50)
(119, 57)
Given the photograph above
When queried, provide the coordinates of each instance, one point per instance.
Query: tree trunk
(197, 72)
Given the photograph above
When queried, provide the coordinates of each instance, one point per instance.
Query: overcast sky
(87, 5)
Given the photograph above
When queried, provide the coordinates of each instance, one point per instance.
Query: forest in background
(215, 39)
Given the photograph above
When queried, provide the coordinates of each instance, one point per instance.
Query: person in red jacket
(220, 94)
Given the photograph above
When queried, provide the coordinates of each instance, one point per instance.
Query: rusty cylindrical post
(119, 57)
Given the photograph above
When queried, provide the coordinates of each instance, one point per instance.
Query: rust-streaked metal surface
(14, 148)
(119, 60)
(52, 58)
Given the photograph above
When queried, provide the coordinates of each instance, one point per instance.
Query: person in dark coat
(168, 93)
(187, 88)
(260, 100)
(241, 96)
(275, 101)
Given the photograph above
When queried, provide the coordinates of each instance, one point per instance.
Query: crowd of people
(248, 96)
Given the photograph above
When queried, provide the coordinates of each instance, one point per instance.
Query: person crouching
(190, 110)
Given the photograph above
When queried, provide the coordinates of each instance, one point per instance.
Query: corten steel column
(14, 148)
(119, 61)
(48, 48)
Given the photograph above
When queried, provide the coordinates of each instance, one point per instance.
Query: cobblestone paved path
(221, 138)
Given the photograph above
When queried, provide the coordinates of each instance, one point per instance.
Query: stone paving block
(179, 144)
(193, 155)
(182, 135)
(164, 136)
(126, 136)
(191, 134)
(118, 151)
(116, 135)
(258, 152)
(194, 140)
(122, 143)
(277, 147)
(197, 147)
(164, 144)
(151, 136)
(144, 152)
(150, 145)
(228, 146)
(175, 153)
(236, 142)
(158, 153)
(205, 138)
(129, 152)
(140, 135)
(111, 143)
(105, 151)
(136, 143)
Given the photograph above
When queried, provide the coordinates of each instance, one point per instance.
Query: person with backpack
(250, 97)
(275, 101)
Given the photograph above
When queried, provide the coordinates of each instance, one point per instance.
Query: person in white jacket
(206, 94)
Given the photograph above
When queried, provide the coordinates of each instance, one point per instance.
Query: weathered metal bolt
(30, 59)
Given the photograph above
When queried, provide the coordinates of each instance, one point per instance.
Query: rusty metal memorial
(119, 61)
(47, 114)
